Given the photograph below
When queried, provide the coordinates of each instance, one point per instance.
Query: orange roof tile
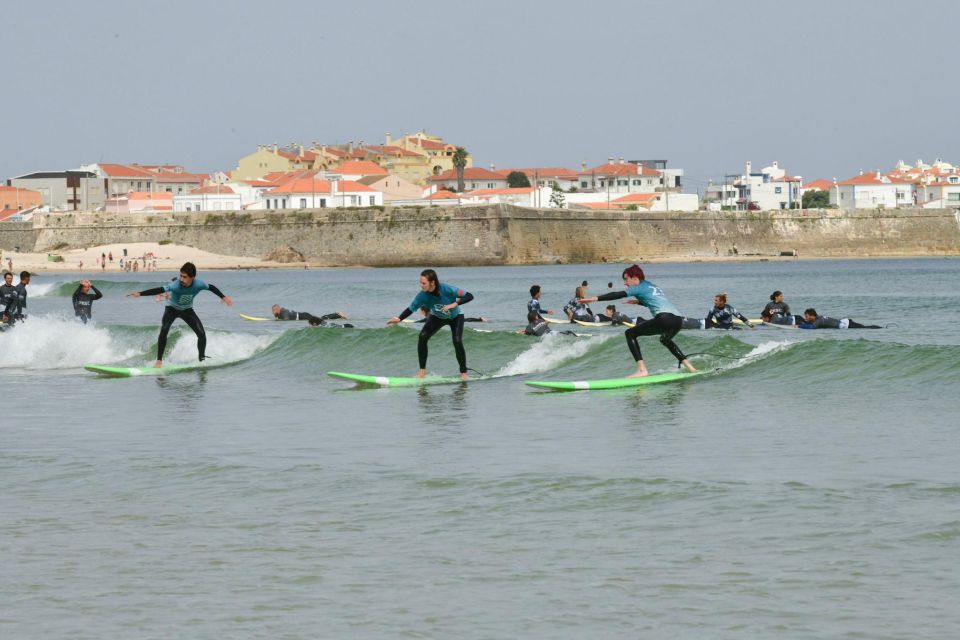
(870, 177)
(543, 172)
(168, 176)
(443, 194)
(391, 150)
(150, 195)
(822, 183)
(308, 184)
(217, 189)
(361, 167)
(637, 198)
(625, 169)
(124, 171)
(469, 173)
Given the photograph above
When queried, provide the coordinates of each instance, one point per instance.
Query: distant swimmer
(443, 301)
(776, 308)
(180, 305)
(813, 320)
(537, 326)
(721, 315)
(281, 313)
(83, 300)
(533, 305)
(666, 321)
(576, 309)
(426, 314)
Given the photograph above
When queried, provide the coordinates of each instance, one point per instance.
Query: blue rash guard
(434, 303)
(652, 297)
(181, 297)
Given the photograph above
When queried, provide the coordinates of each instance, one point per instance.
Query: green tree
(816, 199)
(556, 197)
(460, 163)
(517, 179)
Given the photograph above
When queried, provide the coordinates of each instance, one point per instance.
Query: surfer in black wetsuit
(280, 313)
(534, 303)
(721, 315)
(13, 311)
(777, 309)
(8, 295)
(537, 326)
(83, 300)
(812, 320)
(182, 291)
(613, 316)
(426, 314)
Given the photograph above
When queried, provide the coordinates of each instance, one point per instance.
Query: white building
(872, 190)
(770, 188)
(311, 192)
(213, 198)
(620, 177)
(564, 178)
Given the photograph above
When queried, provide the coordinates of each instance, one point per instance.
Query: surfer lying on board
(280, 313)
(788, 320)
(443, 301)
(666, 321)
(721, 315)
(613, 316)
(180, 305)
(537, 326)
(426, 314)
(811, 320)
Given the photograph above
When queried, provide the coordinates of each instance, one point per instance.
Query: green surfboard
(385, 381)
(612, 383)
(129, 372)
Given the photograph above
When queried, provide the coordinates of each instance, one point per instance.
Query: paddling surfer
(443, 301)
(182, 292)
(281, 313)
(666, 321)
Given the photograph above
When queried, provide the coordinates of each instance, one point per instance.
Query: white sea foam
(549, 352)
(762, 350)
(221, 347)
(50, 342)
(38, 289)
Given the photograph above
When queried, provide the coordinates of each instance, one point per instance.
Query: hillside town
(423, 170)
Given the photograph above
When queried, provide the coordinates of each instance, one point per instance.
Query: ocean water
(806, 489)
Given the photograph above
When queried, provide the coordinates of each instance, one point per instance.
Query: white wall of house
(207, 202)
(323, 200)
(859, 196)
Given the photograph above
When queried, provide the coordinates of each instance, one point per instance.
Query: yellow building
(415, 157)
(267, 159)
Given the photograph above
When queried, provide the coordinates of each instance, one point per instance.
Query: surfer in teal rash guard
(443, 301)
(182, 291)
(666, 321)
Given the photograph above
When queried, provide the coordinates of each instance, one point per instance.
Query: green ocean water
(808, 489)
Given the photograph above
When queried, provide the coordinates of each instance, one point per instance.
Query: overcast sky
(824, 87)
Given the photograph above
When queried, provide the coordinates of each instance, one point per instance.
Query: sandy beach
(167, 257)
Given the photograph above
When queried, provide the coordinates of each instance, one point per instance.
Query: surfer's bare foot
(689, 367)
(422, 373)
(158, 364)
(641, 371)
(463, 376)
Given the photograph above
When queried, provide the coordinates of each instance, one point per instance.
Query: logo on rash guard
(439, 311)
(186, 298)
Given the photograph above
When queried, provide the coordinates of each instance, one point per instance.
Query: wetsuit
(315, 321)
(16, 303)
(180, 305)
(616, 318)
(776, 309)
(787, 320)
(8, 300)
(533, 306)
(722, 317)
(422, 320)
(666, 321)
(541, 328)
(824, 322)
(83, 302)
(445, 294)
(579, 311)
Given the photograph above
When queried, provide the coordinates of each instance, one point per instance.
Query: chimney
(583, 165)
(749, 168)
(861, 172)
(609, 159)
(301, 150)
(878, 174)
(275, 146)
(621, 159)
(493, 167)
(387, 140)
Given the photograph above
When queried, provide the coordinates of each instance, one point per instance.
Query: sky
(826, 88)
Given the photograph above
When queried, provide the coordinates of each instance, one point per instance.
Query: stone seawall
(502, 234)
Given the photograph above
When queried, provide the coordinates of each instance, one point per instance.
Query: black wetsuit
(8, 300)
(533, 306)
(579, 311)
(776, 309)
(422, 320)
(315, 321)
(16, 303)
(83, 302)
(825, 322)
(722, 318)
(188, 315)
(616, 318)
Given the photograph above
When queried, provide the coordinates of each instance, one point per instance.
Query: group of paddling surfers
(441, 303)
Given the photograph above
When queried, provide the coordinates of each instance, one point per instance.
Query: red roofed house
(18, 199)
(309, 191)
(872, 190)
(621, 177)
(356, 169)
(547, 176)
(520, 196)
(393, 187)
(217, 197)
(473, 178)
(140, 201)
(120, 179)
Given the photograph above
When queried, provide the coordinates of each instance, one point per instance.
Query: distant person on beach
(721, 315)
(83, 300)
(182, 292)
(533, 305)
(813, 320)
(280, 313)
(444, 301)
(666, 321)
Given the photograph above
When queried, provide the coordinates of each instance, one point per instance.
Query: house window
(373, 200)
(583, 184)
(489, 185)
(303, 203)
(637, 182)
(623, 183)
(323, 203)
(777, 189)
(284, 205)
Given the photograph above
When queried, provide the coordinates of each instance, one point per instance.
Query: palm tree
(460, 163)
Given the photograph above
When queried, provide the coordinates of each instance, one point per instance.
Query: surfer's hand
(447, 307)
(133, 294)
(393, 320)
(227, 300)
